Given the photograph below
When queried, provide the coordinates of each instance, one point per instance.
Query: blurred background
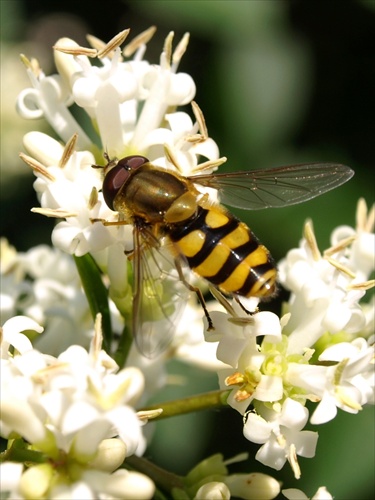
(279, 82)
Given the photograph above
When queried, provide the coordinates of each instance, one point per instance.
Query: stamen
(242, 395)
(365, 219)
(75, 50)
(339, 371)
(311, 240)
(364, 286)
(210, 164)
(93, 199)
(370, 224)
(95, 42)
(180, 49)
(167, 49)
(200, 119)
(31, 64)
(171, 157)
(361, 214)
(98, 336)
(236, 378)
(68, 150)
(196, 138)
(242, 321)
(57, 213)
(115, 42)
(341, 245)
(292, 459)
(138, 41)
(37, 167)
(146, 415)
(335, 263)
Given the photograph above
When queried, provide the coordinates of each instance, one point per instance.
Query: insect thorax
(149, 193)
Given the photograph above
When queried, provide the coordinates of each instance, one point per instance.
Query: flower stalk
(207, 401)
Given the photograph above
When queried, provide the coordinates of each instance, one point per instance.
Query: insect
(175, 225)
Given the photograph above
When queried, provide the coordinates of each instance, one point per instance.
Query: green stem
(164, 479)
(18, 452)
(208, 400)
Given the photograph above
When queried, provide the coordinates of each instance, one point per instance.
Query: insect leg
(110, 222)
(197, 290)
(250, 313)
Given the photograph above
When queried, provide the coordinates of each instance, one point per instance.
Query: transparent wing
(159, 296)
(275, 187)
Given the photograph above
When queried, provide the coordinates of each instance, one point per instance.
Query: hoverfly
(167, 210)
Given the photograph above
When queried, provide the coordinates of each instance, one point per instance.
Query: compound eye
(118, 176)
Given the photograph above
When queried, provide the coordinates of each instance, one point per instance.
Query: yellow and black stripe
(223, 250)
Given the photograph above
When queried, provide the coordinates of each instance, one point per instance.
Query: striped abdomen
(223, 250)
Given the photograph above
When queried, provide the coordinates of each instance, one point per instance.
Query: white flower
(347, 384)
(326, 290)
(11, 335)
(67, 406)
(49, 98)
(43, 284)
(128, 100)
(281, 435)
(255, 485)
(213, 490)
(294, 494)
(37, 482)
(10, 476)
(132, 106)
(66, 191)
(250, 371)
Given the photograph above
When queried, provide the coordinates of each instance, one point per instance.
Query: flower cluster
(321, 350)
(72, 413)
(76, 410)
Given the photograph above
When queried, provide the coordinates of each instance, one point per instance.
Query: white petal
(293, 414)
(253, 486)
(128, 426)
(256, 429)
(181, 89)
(270, 388)
(305, 442)
(208, 148)
(10, 474)
(272, 455)
(214, 490)
(267, 323)
(294, 494)
(20, 417)
(78, 415)
(68, 238)
(127, 485)
(12, 335)
(180, 123)
(325, 411)
(338, 352)
(322, 494)
(43, 148)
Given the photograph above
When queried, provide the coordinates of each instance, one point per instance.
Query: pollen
(247, 383)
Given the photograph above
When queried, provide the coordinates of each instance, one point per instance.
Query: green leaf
(96, 293)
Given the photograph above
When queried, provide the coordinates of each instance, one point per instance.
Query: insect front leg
(197, 290)
(239, 320)
(250, 313)
(111, 222)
